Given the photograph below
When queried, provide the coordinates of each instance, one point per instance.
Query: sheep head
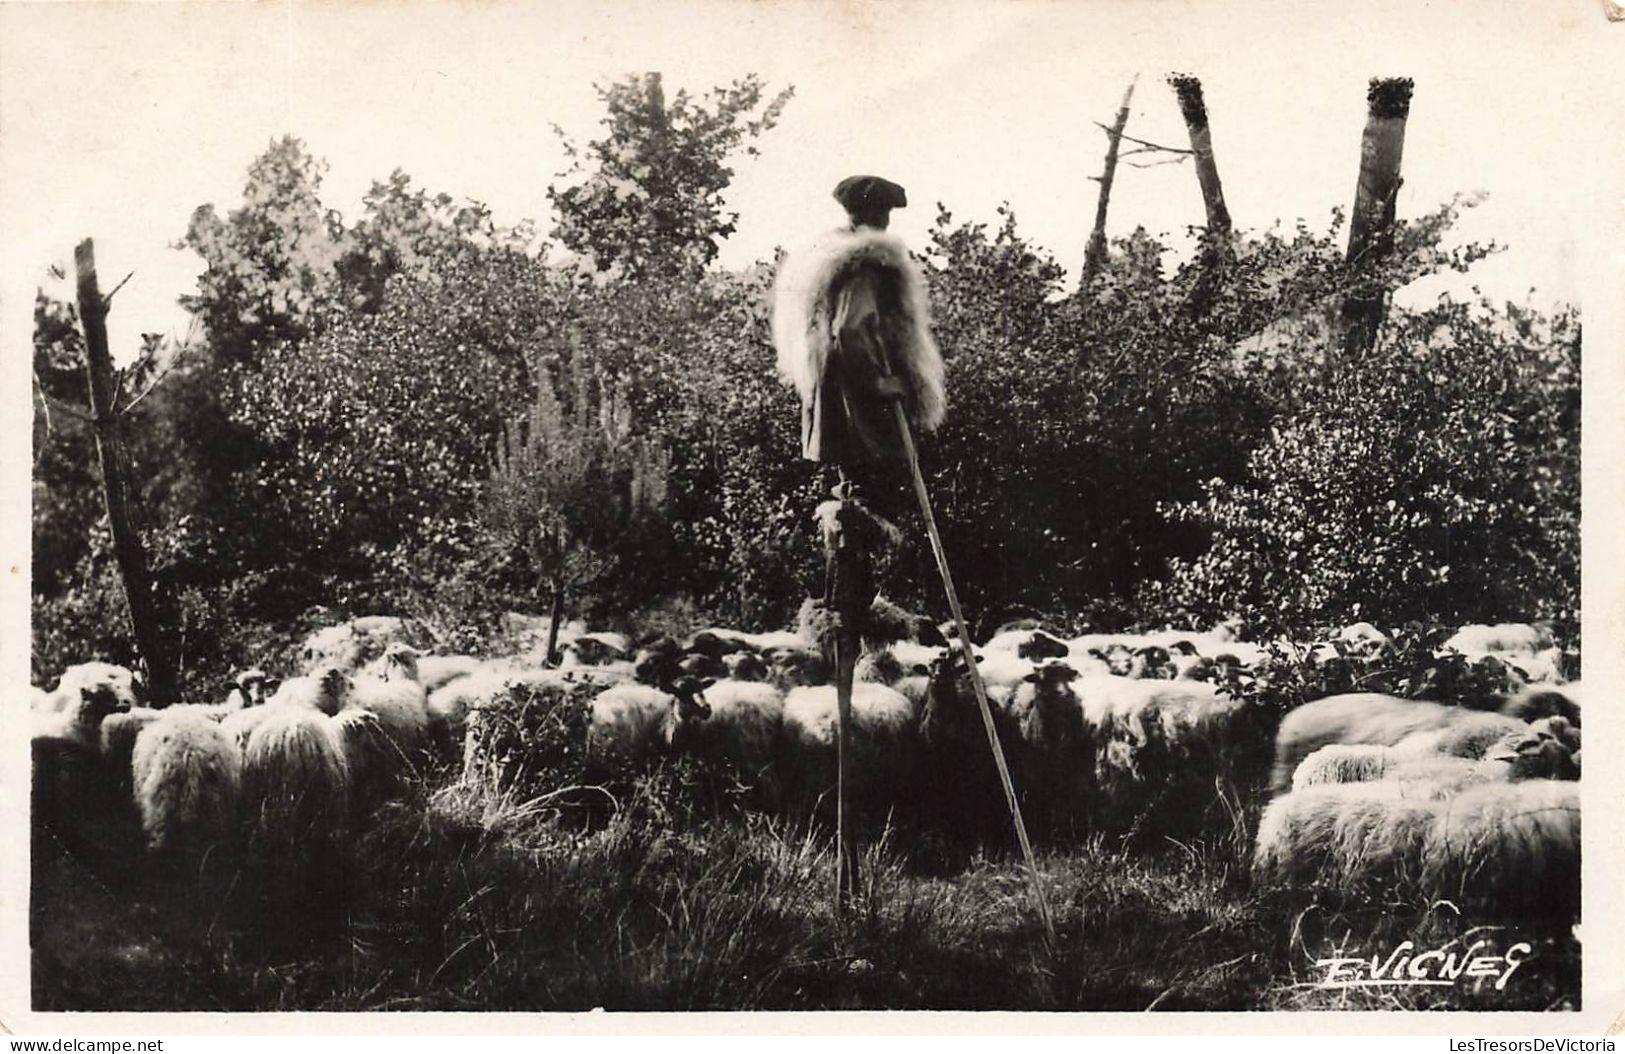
(948, 713)
(401, 662)
(1151, 661)
(746, 666)
(335, 688)
(96, 689)
(253, 684)
(1041, 645)
(698, 665)
(794, 667)
(1118, 658)
(1534, 755)
(688, 709)
(1052, 675)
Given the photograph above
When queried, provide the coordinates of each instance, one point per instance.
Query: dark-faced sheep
(251, 687)
(630, 724)
(740, 726)
(1053, 745)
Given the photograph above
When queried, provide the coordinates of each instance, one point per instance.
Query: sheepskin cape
(816, 294)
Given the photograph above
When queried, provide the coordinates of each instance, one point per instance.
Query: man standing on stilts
(851, 323)
(852, 326)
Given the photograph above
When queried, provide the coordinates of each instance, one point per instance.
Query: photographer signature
(1405, 966)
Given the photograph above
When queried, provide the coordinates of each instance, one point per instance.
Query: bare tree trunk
(1371, 227)
(1216, 243)
(106, 423)
(553, 618)
(1094, 255)
(1194, 109)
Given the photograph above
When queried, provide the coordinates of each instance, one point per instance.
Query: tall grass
(469, 897)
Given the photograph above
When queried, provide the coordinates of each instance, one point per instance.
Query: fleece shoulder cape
(804, 295)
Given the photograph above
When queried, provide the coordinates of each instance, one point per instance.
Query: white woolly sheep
(1355, 718)
(629, 724)
(399, 701)
(1342, 763)
(84, 695)
(351, 645)
(295, 782)
(322, 690)
(186, 775)
(741, 729)
(371, 758)
(1500, 845)
(1514, 844)
(1507, 638)
(1434, 775)
(881, 736)
(1346, 834)
(431, 671)
(1161, 747)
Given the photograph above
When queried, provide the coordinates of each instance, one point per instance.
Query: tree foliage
(1175, 443)
(572, 482)
(647, 196)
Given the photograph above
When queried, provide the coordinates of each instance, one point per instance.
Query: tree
(272, 263)
(569, 483)
(1371, 231)
(1094, 254)
(648, 195)
(107, 410)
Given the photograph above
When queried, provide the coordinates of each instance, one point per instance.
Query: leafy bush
(1437, 481)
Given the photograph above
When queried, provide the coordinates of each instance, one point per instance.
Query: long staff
(965, 648)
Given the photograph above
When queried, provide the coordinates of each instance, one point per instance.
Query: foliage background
(1131, 454)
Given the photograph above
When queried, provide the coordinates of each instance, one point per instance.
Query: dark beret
(868, 193)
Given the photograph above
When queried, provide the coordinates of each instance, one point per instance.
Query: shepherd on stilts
(852, 326)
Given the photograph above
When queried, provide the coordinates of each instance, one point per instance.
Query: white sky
(117, 121)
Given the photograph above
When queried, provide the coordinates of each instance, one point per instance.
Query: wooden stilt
(843, 573)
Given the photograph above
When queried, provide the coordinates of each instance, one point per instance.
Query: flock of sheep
(1122, 732)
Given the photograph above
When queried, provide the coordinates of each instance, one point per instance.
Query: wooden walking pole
(941, 555)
